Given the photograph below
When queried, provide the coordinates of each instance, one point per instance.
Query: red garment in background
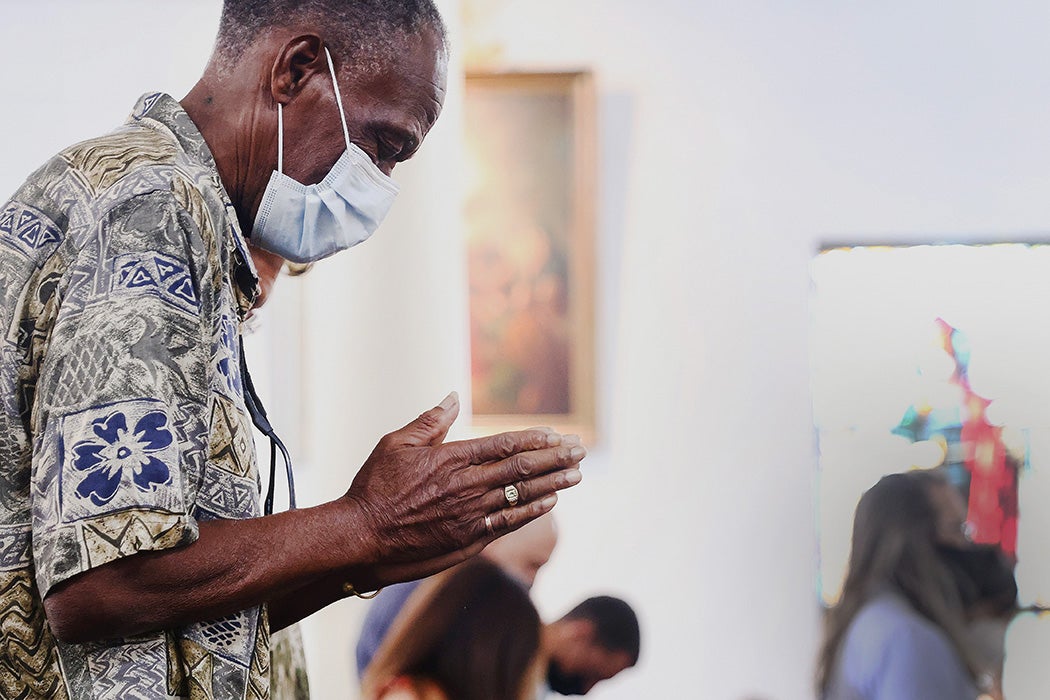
(993, 506)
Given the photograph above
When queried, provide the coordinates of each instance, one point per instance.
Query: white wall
(737, 137)
(77, 69)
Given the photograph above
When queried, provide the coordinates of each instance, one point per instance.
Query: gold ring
(511, 492)
(488, 525)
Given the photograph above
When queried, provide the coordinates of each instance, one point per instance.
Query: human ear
(298, 60)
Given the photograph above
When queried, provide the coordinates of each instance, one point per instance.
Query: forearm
(293, 606)
(416, 507)
(234, 565)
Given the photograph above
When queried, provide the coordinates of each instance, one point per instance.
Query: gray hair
(365, 35)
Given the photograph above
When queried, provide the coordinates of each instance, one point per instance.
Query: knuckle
(524, 491)
(428, 419)
(505, 444)
(501, 521)
(542, 438)
(522, 466)
(448, 455)
(476, 452)
(385, 442)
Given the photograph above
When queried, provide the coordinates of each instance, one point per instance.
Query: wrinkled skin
(428, 501)
(418, 504)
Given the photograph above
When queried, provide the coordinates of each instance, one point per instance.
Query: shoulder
(887, 615)
(883, 624)
(97, 189)
(82, 183)
(890, 618)
(380, 617)
(388, 604)
(890, 648)
(135, 163)
(133, 148)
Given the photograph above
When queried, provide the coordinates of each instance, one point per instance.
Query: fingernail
(578, 453)
(554, 439)
(449, 401)
(549, 502)
(571, 440)
(574, 476)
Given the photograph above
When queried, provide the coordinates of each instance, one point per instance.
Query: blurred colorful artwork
(935, 357)
(529, 217)
(975, 454)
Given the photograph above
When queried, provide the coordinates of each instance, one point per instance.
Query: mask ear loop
(338, 98)
(280, 138)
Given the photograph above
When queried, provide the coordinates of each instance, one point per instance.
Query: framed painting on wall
(530, 200)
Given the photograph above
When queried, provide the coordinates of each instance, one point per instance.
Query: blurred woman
(898, 631)
(469, 634)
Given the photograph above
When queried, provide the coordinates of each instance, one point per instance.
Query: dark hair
(473, 631)
(365, 34)
(894, 547)
(615, 624)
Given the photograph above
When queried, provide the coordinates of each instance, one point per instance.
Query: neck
(233, 127)
(244, 146)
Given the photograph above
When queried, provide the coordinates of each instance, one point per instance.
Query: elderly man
(135, 560)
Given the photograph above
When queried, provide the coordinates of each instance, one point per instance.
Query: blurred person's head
(949, 506)
(524, 552)
(982, 573)
(591, 643)
(472, 632)
(897, 533)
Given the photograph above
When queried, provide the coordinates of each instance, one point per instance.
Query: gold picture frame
(530, 140)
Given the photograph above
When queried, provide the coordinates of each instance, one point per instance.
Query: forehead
(412, 84)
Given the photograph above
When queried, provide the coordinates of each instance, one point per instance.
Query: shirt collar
(160, 110)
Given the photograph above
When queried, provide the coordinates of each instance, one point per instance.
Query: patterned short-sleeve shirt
(123, 282)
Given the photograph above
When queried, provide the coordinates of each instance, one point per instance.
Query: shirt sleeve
(120, 415)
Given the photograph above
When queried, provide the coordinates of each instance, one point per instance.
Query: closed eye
(393, 146)
(388, 149)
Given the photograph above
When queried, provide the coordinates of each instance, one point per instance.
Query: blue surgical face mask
(305, 223)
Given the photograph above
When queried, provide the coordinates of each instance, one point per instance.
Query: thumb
(431, 427)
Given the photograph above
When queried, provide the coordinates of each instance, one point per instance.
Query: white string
(338, 97)
(280, 139)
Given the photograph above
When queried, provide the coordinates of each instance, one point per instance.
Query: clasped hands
(427, 504)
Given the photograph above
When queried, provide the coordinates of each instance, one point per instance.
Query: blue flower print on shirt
(118, 451)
